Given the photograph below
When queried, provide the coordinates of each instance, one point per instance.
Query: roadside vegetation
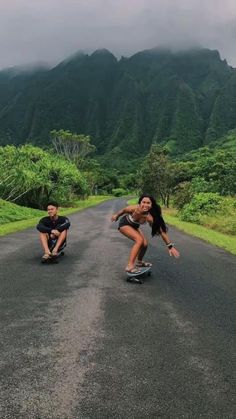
(197, 190)
(15, 217)
(223, 240)
(31, 176)
(210, 233)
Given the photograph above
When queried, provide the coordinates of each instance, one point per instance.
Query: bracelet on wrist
(170, 245)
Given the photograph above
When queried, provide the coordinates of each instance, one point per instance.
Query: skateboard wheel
(134, 280)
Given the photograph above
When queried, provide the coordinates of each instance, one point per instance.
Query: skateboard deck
(137, 277)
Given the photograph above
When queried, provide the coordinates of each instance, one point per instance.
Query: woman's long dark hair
(158, 221)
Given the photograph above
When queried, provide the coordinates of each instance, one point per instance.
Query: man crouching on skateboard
(53, 232)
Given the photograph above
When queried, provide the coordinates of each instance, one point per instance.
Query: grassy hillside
(11, 212)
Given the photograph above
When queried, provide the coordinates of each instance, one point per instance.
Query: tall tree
(157, 174)
(70, 145)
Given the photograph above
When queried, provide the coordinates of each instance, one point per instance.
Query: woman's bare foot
(142, 264)
(132, 270)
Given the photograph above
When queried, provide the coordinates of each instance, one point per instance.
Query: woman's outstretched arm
(126, 210)
(171, 248)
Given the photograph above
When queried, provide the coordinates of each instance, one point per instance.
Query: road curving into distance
(78, 341)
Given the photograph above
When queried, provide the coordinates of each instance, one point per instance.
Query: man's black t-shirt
(47, 224)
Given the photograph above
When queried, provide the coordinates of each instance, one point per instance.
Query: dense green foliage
(204, 203)
(118, 192)
(184, 99)
(213, 170)
(31, 176)
(202, 186)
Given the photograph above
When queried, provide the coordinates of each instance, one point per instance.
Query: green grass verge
(132, 201)
(216, 238)
(29, 215)
(11, 212)
(224, 241)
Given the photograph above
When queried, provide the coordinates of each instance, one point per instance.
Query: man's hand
(114, 217)
(56, 233)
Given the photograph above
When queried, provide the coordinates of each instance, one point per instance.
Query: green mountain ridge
(185, 99)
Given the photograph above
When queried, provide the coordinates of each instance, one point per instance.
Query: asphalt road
(78, 341)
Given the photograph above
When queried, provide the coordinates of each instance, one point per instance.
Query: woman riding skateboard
(147, 211)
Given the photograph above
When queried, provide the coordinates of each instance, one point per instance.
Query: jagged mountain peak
(77, 56)
(102, 51)
(188, 53)
(103, 55)
(157, 95)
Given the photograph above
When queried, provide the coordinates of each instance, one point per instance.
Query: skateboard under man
(51, 245)
(54, 259)
(138, 277)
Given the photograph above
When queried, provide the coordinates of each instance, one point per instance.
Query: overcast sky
(51, 30)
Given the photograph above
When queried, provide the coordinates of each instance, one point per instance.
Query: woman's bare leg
(142, 250)
(134, 235)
